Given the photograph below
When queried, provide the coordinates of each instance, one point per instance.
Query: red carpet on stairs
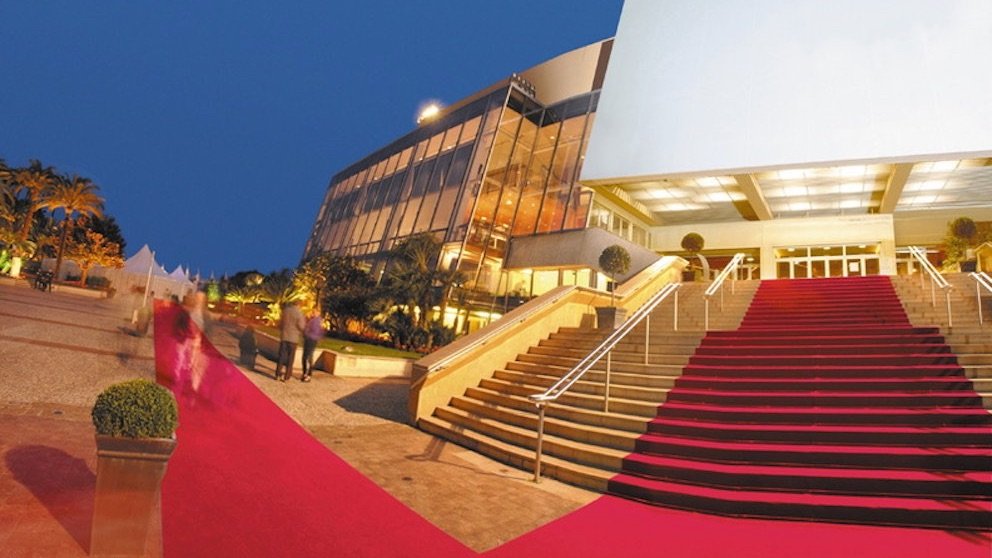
(825, 405)
(246, 480)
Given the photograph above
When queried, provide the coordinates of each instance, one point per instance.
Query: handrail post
(647, 337)
(675, 317)
(540, 440)
(978, 300)
(706, 315)
(933, 293)
(947, 295)
(606, 386)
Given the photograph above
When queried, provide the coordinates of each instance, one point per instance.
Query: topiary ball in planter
(135, 409)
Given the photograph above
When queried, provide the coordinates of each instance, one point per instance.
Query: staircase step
(935, 417)
(857, 399)
(936, 513)
(979, 435)
(851, 481)
(834, 455)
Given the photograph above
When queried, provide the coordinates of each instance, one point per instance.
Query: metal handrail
(604, 349)
(718, 286)
(982, 280)
(510, 320)
(936, 280)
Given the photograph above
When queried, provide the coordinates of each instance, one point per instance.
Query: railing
(605, 349)
(511, 319)
(718, 286)
(936, 280)
(982, 281)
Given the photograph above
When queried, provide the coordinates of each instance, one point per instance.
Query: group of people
(294, 327)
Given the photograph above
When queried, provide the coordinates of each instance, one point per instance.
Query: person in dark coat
(291, 324)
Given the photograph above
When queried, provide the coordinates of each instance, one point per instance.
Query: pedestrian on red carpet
(312, 333)
(291, 324)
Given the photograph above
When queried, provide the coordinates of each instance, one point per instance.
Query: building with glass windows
(820, 139)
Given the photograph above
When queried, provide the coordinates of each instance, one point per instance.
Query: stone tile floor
(59, 350)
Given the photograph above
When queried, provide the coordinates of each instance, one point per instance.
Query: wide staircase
(826, 404)
(969, 339)
(584, 444)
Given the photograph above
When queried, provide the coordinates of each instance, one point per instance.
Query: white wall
(768, 235)
(743, 84)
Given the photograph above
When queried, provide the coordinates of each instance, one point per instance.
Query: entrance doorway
(806, 262)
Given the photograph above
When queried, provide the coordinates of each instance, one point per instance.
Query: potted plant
(959, 245)
(693, 243)
(614, 261)
(135, 436)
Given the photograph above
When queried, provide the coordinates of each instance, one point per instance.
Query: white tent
(141, 272)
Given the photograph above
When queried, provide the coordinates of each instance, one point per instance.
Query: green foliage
(135, 409)
(213, 292)
(614, 260)
(963, 228)
(692, 242)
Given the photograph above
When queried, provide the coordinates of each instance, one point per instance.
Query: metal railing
(936, 280)
(605, 349)
(982, 281)
(717, 286)
(518, 315)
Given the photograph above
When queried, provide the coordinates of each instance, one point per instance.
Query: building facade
(820, 139)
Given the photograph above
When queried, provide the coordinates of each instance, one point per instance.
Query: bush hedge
(135, 409)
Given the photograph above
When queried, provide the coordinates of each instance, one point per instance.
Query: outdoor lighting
(428, 111)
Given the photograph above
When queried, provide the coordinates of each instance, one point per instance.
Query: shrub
(98, 282)
(135, 409)
(692, 242)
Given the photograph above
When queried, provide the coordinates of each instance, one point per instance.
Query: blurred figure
(312, 333)
(248, 348)
(291, 324)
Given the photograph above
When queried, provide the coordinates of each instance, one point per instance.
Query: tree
(414, 280)
(693, 243)
(107, 225)
(96, 250)
(36, 182)
(614, 260)
(75, 195)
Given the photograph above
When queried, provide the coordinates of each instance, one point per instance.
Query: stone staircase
(583, 444)
(969, 340)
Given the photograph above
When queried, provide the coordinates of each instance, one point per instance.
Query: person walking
(312, 333)
(291, 324)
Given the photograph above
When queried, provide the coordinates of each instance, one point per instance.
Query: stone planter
(127, 513)
(610, 317)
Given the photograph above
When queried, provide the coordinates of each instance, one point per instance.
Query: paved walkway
(59, 350)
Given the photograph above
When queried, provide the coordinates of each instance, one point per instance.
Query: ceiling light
(852, 187)
(937, 166)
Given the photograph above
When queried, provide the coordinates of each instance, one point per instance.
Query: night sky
(213, 127)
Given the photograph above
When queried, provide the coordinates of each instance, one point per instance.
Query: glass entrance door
(806, 262)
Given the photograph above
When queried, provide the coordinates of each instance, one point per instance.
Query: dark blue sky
(213, 127)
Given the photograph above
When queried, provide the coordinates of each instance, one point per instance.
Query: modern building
(820, 139)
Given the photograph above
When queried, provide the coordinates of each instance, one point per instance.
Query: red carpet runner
(825, 405)
(247, 481)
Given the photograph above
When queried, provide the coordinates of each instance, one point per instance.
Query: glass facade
(497, 167)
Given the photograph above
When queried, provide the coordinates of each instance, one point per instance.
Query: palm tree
(37, 182)
(7, 198)
(74, 195)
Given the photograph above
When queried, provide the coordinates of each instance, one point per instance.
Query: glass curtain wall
(498, 167)
(528, 187)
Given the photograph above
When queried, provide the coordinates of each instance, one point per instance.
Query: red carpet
(613, 526)
(825, 405)
(247, 481)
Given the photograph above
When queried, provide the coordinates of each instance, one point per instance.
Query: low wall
(463, 364)
(339, 364)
